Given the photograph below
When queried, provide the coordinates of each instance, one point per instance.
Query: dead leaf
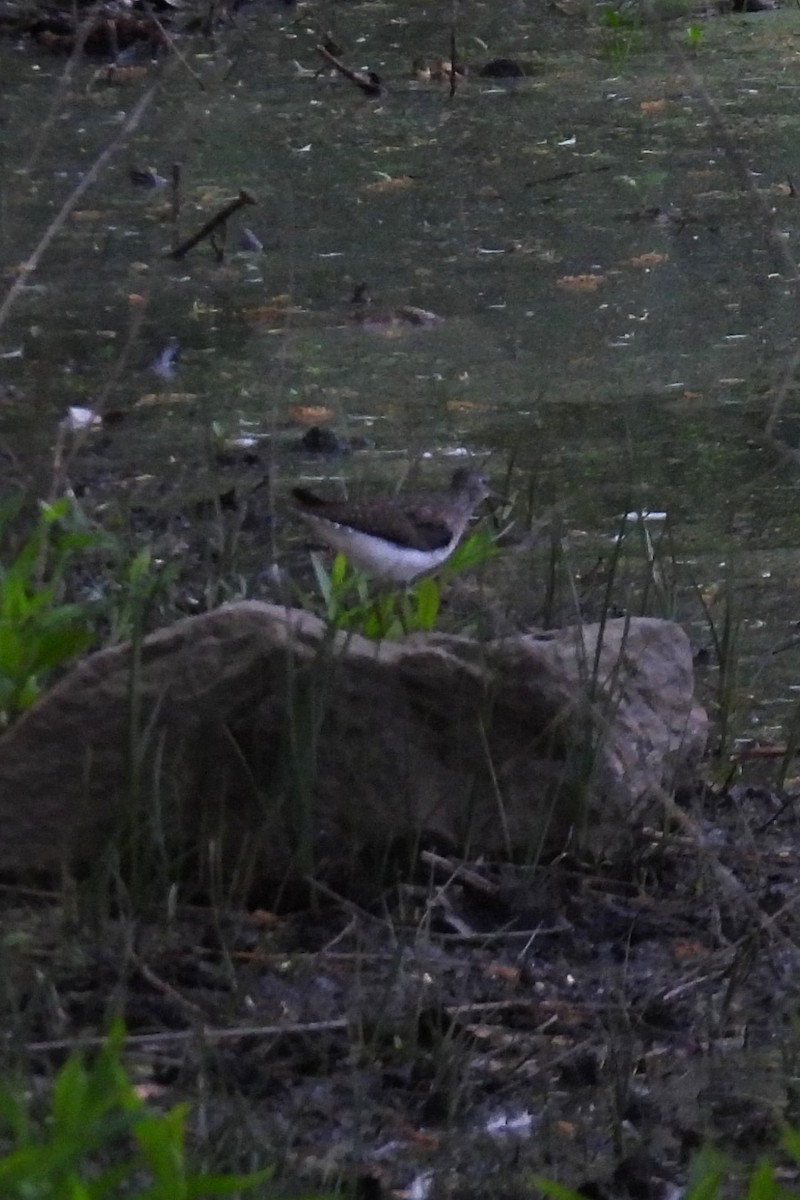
(652, 106)
(651, 259)
(686, 948)
(502, 971)
(580, 283)
(394, 183)
(278, 309)
(420, 1137)
(311, 414)
(117, 75)
(87, 214)
(264, 918)
(159, 399)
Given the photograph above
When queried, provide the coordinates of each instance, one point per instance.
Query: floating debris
(249, 241)
(164, 364)
(503, 1125)
(147, 177)
(420, 1186)
(645, 515)
(79, 419)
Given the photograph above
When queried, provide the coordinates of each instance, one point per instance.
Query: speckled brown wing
(426, 530)
(405, 523)
(406, 527)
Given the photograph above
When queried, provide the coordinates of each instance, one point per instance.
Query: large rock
(253, 729)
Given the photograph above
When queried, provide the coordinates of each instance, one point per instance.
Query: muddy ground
(474, 1026)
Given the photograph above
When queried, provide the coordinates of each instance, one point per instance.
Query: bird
(396, 538)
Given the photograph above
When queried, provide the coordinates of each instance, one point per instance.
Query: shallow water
(613, 312)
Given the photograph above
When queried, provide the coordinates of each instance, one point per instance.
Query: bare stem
(30, 265)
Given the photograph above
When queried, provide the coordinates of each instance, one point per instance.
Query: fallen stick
(369, 82)
(213, 224)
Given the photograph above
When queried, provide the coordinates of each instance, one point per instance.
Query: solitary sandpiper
(396, 538)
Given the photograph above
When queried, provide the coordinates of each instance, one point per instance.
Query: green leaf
(15, 601)
(50, 513)
(372, 626)
(69, 1096)
(762, 1185)
(471, 552)
(11, 650)
(324, 582)
(76, 1189)
(225, 1185)
(14, 1113)
(790, 1141)
(93, 1103)
(428, 600)
(549, 1188)
(160, 1139)
(139, 566)
(57, 646)
(339, 570)
(706, 1173)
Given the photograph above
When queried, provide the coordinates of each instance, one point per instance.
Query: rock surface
(251, 726)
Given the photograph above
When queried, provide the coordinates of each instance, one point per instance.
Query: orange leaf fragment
(421, 1137)
(652, 106)
(462, 405)
(580, 283)
(266, 314)
(264, 918)
(118, 75)
(393, 183)
(311, 414)
(685, 948)
(160, 399)
(502, 971)
(651, 259)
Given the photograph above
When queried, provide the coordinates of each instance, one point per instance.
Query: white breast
(398, 564)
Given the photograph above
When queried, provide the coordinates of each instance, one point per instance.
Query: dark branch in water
(29, 266)
(453, 59)
(175, 193)
(368, 82)
(214, 223)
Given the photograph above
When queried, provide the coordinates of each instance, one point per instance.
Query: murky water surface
(613, 309)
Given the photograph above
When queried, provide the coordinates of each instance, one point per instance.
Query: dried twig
(187, 1007)
(219, 219)
(453, 50)
(368, 81)
(29, 266)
